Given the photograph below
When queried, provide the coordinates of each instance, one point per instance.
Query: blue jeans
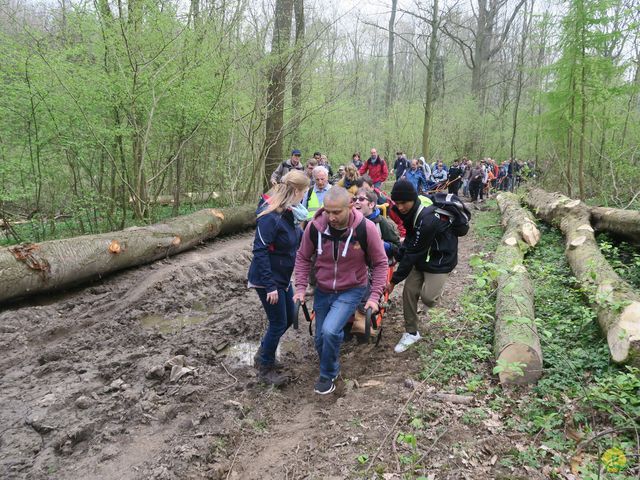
(280, 316)
(332, 312)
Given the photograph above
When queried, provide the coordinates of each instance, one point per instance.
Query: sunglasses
(359, 199)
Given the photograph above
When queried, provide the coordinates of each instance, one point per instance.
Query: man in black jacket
(428, 254)
(401, 165)
(455, 177)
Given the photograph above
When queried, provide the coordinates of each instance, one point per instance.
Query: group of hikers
(476, 180)
(348, 243)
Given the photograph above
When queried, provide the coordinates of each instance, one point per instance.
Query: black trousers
(475, 187)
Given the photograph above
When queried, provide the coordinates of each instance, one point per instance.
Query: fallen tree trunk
(188, 197)
(620, 223)
(516, 342)
(616, 304)
(43, 267)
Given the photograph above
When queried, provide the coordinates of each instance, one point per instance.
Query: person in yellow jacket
(349, 180)
(315, 198)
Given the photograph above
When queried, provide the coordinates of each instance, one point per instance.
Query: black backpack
(450, 205)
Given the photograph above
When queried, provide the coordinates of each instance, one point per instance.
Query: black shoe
(324, 386)
(269, 376)
(258, 363)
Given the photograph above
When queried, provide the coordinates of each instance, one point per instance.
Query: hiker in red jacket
(376, 167)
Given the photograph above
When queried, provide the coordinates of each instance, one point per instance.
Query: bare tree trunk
(572, 112)
(483, 34)
(388, 94)
(296, 69)
(431, 66)
(276, 89)
(632, 99)
(485, 48)
(526, 26)
(583, 114)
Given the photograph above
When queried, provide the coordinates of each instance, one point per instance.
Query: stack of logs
(517, 345)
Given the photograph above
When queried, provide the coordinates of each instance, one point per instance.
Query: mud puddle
(170, 325)
(241, 354)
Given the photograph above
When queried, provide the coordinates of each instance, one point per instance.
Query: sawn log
(516, 342)
(620, 223)
(615, 302)
(47, 266)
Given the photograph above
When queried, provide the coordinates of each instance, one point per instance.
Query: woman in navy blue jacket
(274, 254)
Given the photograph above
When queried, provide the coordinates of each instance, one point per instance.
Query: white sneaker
(406, 341)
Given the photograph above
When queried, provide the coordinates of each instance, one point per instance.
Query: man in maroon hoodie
(341, 267)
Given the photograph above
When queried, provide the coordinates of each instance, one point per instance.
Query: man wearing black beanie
(428, 254)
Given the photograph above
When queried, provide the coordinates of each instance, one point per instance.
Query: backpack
(361, 237)
(450, 205)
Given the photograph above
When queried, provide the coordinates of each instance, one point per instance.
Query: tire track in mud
(75, 400)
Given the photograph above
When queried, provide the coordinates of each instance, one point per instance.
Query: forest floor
(86, 393)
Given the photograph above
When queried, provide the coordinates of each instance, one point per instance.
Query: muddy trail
(148, 374)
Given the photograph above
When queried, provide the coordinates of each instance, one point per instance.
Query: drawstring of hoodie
(346, 244)
(319, 243)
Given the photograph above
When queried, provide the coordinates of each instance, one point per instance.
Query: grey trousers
(420, 285)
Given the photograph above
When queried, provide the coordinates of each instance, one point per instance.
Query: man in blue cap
(285, 167)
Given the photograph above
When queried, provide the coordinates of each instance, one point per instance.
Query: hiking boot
(257, 363)
(324, 386)
(269, 376)
(406, 341)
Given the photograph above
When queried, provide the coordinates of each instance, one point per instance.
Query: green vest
(313, 204)
(424, 202)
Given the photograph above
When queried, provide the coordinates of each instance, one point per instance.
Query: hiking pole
(305, 310)
(367, 325)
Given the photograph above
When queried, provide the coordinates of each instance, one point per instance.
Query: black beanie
(404, 191)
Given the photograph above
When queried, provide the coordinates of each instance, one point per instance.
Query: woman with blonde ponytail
(274, 252)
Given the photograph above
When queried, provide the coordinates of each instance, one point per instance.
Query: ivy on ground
(584, 413)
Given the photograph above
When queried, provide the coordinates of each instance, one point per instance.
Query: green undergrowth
(623, 257)
(89, 220)
(584, 411)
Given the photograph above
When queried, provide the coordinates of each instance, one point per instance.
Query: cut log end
(624, 337)
(585, 228)
(530, 233)
(511, 241)
(529, 361)
(217, 213)
(114, 247)
(176, 241)
(576, 242)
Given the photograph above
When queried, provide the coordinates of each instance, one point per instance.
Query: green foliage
(515, 368)
(578, 383)
(580, 389)
(623, 258)
(585, 102)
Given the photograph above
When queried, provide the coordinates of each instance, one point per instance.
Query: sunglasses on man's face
(359, 199)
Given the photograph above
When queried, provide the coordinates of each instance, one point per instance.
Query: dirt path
(84, 392)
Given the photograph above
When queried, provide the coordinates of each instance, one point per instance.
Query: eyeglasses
(359, 199)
